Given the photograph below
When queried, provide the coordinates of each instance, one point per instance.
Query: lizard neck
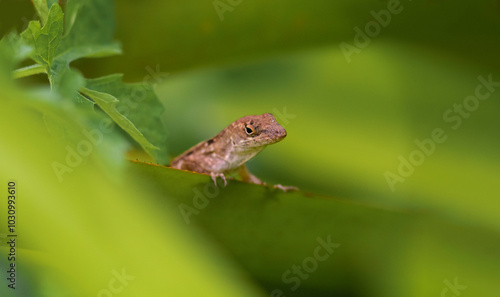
(238, 155)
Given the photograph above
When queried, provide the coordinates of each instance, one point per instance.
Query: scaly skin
(232, 147)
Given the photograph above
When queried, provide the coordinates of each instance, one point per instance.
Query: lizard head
(256, 131)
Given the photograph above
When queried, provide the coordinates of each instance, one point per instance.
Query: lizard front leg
(247, 177)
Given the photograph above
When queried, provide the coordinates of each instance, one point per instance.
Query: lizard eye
(250, 130)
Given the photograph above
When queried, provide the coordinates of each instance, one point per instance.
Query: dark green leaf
(89, 22)
(45, 40)
(89, 33)
(279, 238)
(136, 109)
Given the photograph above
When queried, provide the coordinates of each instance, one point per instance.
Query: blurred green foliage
(88, 231)
(348, 125)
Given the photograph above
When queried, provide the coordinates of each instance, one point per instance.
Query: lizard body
(228, 151)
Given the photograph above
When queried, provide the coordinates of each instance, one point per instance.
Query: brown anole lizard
(232, 147)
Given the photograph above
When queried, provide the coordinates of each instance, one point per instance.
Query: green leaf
(28, 70)
(67, 80)
(89, 22)
(45, 40)
(299, 25)
(86, 103)
(42, 8)
(276, 237)
(350, 143)
(89, 33)
(108, 104)
(136, 108)
(81, 232)
(14, 49)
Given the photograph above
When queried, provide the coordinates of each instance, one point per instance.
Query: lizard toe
(216, 175)
(286, 188)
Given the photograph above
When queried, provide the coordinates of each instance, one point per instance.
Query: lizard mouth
(261, 141)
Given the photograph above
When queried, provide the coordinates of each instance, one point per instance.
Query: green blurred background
(349, 123)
